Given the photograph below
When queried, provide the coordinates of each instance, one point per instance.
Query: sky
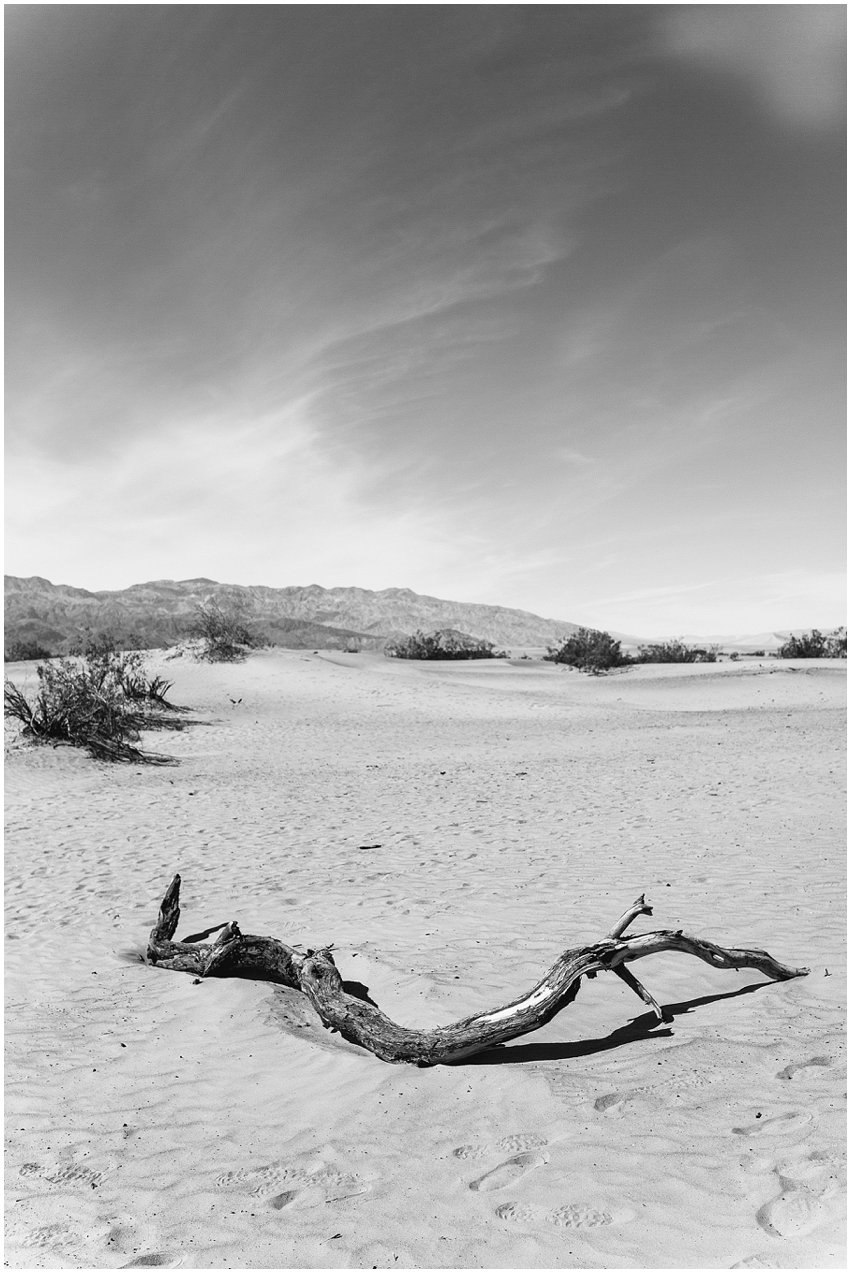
(535, 306)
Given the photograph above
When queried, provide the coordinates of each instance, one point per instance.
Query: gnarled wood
(314, 972)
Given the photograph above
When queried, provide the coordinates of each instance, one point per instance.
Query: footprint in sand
(514, 1144)
(814, 1061)
(795, 1211)
(680, 1089)
(780, 1125)
(508, 1172)
(323, 1184)
(63, 1239)
(69, 1173)
(284, 1199)
(570, 1216)
(48, 1235)
(613, 1100)
(816, 1169)
(618, 1103)
(520, 1141)
(579, 1217)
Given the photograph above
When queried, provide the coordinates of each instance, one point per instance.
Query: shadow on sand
(641, 1027)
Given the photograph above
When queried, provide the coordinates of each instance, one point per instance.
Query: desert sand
(451, 828)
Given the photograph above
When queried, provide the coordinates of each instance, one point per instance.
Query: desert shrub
(811, 645)
(816, 645)
(837, 644)
(676, 652)
(98, 701)
(125, 671)
(106, 661)
(222, 626)
(24, 651)
(446, 643)
(75, 704)
(590, 651)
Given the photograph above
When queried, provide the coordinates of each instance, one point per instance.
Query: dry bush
(676, 652)
(816, 645)
(223, 629)
(446, 643)
(99, 701)
(589, 651)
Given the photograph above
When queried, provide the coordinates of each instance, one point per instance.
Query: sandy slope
(451, 828)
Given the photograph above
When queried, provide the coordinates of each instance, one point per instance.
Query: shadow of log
(642, 1027)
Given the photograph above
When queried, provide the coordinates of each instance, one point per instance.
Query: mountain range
(57, 617)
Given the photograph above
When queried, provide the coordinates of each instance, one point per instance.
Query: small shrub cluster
(222, 626)
(99, 700)
(816, 645)
(446, 643)
(676, 652)
(593, 651)
(590, 651)
(25, 651)
(596, 652)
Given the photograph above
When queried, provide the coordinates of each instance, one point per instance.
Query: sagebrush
(589, 650)
(816, 645)
(223, 628)
(445, 643)
(100, 701)
(676, 651)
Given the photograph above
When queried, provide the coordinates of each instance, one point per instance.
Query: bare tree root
(237, 954)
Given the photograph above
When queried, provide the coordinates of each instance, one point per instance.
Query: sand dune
(450, 828)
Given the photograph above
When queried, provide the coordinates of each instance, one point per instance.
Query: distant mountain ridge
(161, 612)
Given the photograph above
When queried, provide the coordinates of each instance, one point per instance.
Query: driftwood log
(237, 954)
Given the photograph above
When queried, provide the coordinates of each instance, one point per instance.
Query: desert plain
(451, 828)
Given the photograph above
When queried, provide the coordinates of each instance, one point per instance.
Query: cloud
(434, 265)
(548, 121)
(790, 56)
(254, 499)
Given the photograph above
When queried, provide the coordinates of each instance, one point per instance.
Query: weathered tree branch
(314, 972)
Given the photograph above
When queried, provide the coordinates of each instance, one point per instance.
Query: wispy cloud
(438, 268)
(294, 515)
